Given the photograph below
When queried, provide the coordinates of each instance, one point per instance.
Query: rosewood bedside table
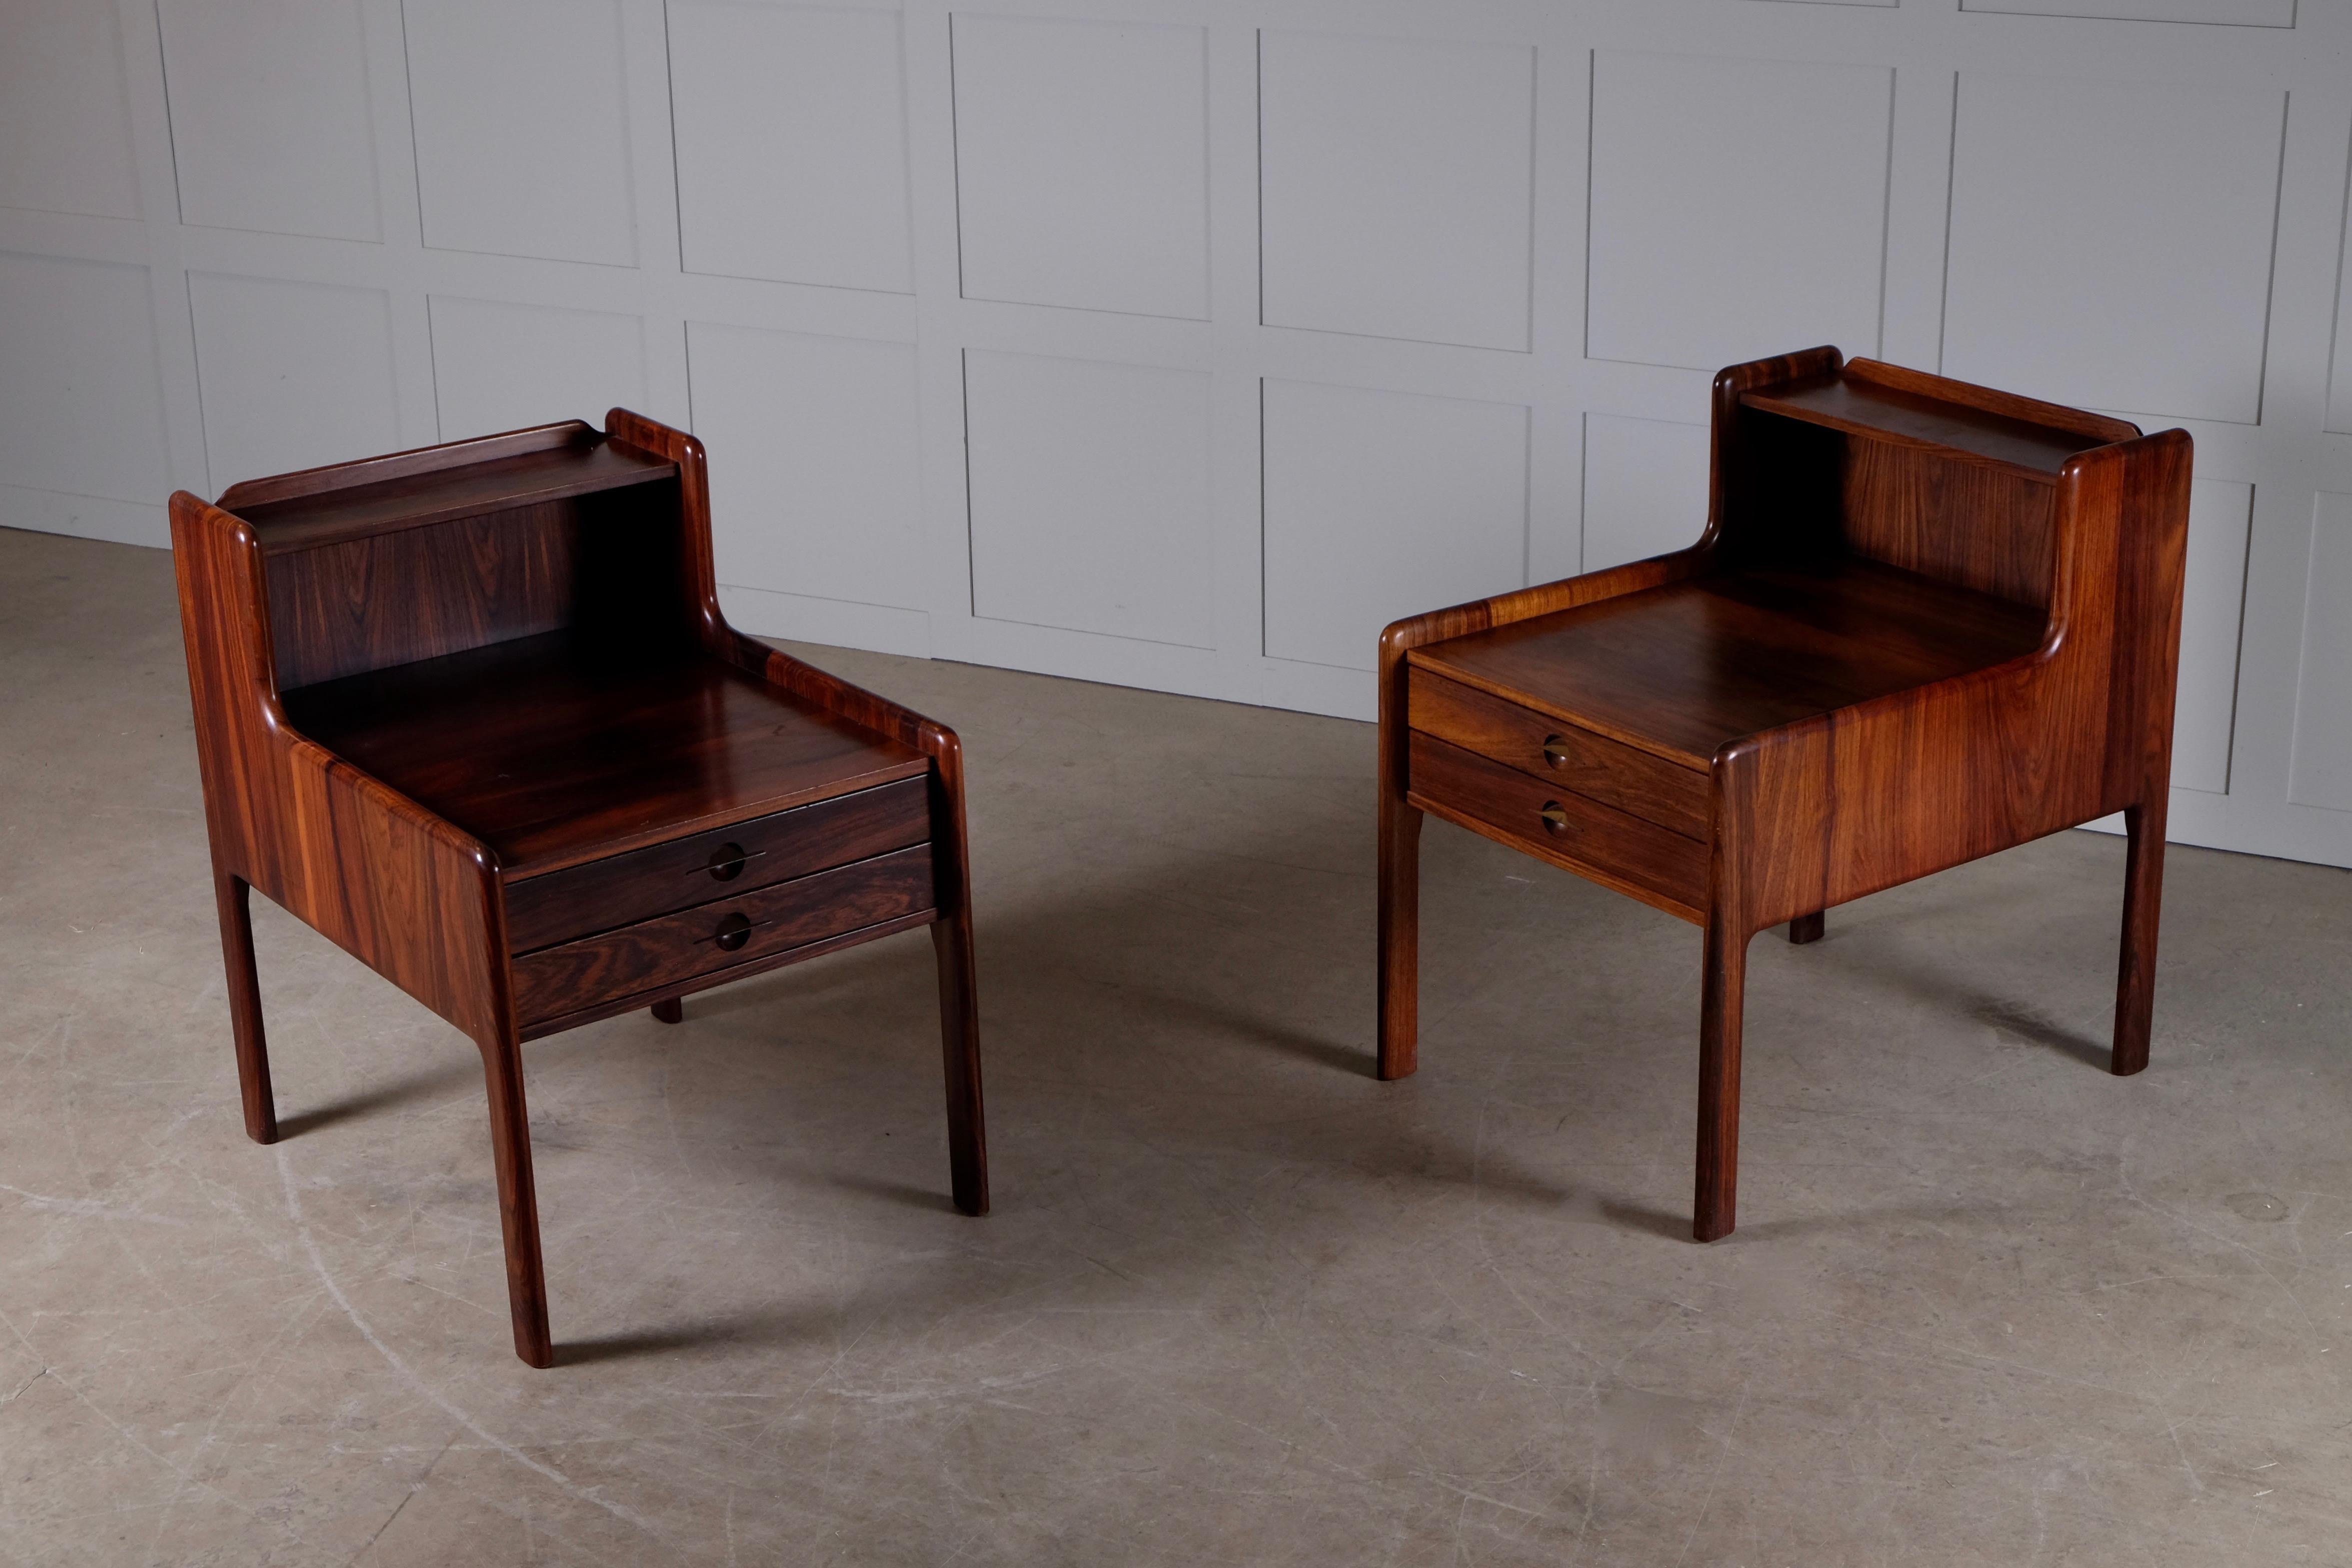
(473, 713)
(1925, 621)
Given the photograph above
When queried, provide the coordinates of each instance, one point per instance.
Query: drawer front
(718, 936)
(1561, 825)
(1593, 765)
(732, 861)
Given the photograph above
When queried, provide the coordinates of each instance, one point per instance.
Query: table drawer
(1561, 825)
(734, 860)
(718, 936)
(1574, 758)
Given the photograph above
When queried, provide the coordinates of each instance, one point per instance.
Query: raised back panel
(1811, 490)
(606, 564)
(1956, 521)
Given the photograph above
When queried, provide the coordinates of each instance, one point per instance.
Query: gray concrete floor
(1238, 1302)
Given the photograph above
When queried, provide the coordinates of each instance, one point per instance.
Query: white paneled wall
(1678, 169)
(1396, 182)
(1380, 505)
(1082, 164)
(1089, 496)
(1183, 342)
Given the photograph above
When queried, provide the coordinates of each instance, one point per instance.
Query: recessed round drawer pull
(733, 932)
(1555, 817)
(1555, 750)
(727, 861)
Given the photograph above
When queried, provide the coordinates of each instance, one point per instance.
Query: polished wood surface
(554, 750)
(235, 896)
(589, 564)
(1925, 621)
(1678, 670)
(1671, 795)
(1400, 820)
(1556, 823)
(422, 499)
(951, 935)
(1971, 527)
(439, 687)
(1846, 400)
(723, 862)
(653, 1001)
(710, 937)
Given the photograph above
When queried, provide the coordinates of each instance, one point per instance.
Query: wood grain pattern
(1562, 754)
(2097, 429)
(235, 897)
(1895, 416)
(1926, 621)
(553, 751)
(672, 948)
(414, 462)
(724, 863)
(952, 934)
(463, 585)
(1400, 820)
(654, 1001)
(418, 501)
(525, 629)
(1959, 523)
(342, 851)
(604, 565)
(408, 895)
(1558, 824)
(1681, 670)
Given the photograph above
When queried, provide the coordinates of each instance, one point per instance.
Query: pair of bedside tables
(473, 713)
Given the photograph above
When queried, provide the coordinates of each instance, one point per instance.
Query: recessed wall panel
(792, 143)
(65, 112)
(1738, 208)
(501, 366)
(2339, 390)
(269, 110)
(522, 123)
(81, 409)
(815, 474)
(1645, 489)
(2223, 13)
(2220, 512)
(1089, 496)
(1396, 187)
(1082, 172)
(2322, 774)
(291, 375)
(1381, 505)
(2110, 242)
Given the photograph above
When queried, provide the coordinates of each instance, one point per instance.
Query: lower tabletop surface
(1680, 669)
(554, 751)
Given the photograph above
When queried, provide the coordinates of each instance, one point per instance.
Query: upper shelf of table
(438, 485)
(2031, 439)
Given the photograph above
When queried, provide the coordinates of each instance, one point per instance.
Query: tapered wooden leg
(517, 1200)
(1400, 928)
(1715, 1209)
(1807, 928)
(670, 1010)
(959, 1043)
(234, 895)
(2143, 893)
